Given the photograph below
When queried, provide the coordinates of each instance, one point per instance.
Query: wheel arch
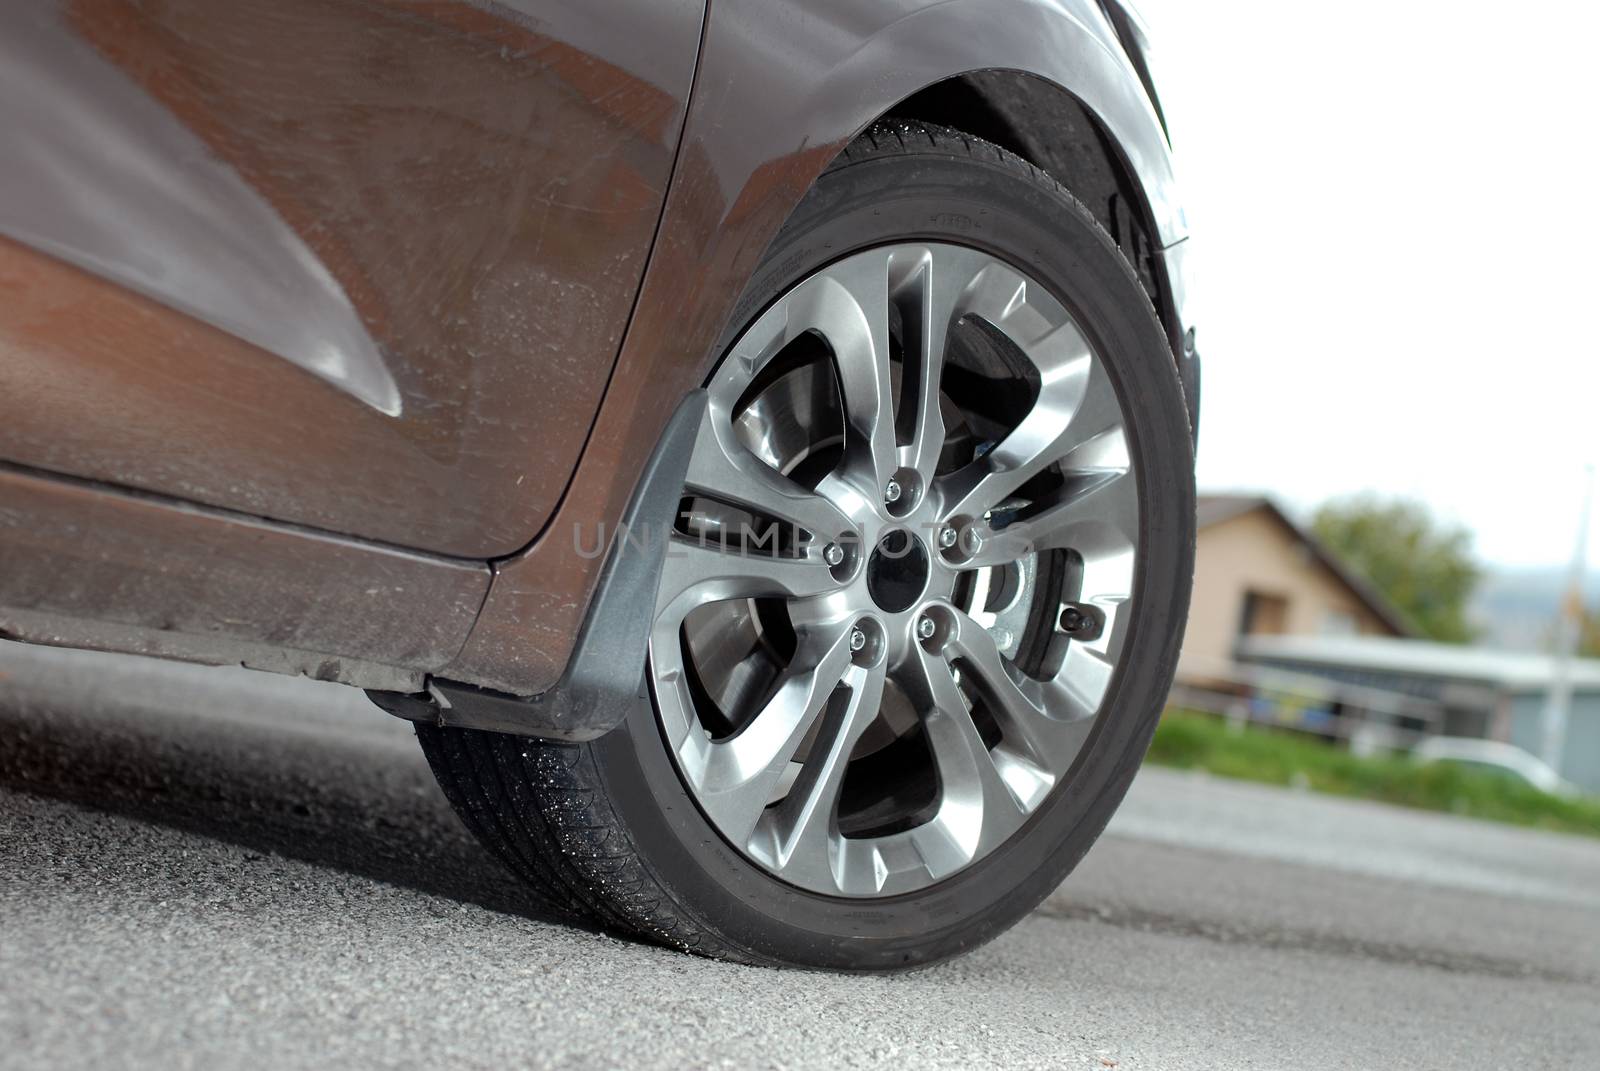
(1054, 131)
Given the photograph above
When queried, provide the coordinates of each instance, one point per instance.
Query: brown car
(751, 441)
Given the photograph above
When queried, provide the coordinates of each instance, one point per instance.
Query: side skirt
(86, 565)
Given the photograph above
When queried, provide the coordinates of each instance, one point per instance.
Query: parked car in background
(754, 444)
(1492, 757)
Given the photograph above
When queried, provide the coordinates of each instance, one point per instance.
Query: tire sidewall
(1023, 218)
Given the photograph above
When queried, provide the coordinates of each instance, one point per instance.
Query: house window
(1264, 615)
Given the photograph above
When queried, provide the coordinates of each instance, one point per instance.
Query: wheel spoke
(850, 305)
(976, 810)
(722, 469)
(734, 779)
(1085, 394)
(928, 291)
(1076, 406)
(1034, 718)
(1096, 512)
(695, 573)
(794, 838)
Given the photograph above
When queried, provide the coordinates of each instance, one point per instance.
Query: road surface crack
(1280, 938)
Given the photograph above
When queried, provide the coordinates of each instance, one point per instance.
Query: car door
(359, 266)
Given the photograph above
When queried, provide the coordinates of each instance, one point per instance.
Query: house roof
(1211, 510)
(1512, 671)
(1214, 509)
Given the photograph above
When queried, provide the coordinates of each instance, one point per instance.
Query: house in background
(1281, 632)
(1257, 573)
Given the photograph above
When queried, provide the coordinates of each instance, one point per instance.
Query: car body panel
(371, 261)
(781, 89)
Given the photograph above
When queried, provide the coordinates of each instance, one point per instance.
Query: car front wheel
(924, 596)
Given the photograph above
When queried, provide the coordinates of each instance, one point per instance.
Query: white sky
(1394, 210)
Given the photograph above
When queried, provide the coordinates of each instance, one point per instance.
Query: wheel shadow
(363, 804)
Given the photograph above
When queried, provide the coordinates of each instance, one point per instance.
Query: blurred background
(1400, 399)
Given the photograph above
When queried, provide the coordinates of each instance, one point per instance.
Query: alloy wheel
(898, 588)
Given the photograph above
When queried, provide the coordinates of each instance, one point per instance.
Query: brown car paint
(481, 185)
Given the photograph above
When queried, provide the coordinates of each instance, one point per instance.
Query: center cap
(897, 571)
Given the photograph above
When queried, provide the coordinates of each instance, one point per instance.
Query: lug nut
(947, 537)
(926, 627)
(971, 540)
(891, 492)
(833, 554)
(858, 639)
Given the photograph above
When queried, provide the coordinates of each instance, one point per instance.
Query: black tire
(608, 828)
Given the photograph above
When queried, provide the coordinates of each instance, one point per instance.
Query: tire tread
(560, 834)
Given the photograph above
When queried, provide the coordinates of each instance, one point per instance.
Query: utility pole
(1558, 702)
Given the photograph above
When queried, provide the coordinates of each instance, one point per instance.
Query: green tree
(1426, 568)
(1589, 634)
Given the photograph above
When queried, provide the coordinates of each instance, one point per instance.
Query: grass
(1197, 741)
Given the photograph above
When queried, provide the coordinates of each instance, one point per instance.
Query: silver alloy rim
(816, 555)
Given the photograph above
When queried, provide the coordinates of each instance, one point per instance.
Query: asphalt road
(216, 868)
